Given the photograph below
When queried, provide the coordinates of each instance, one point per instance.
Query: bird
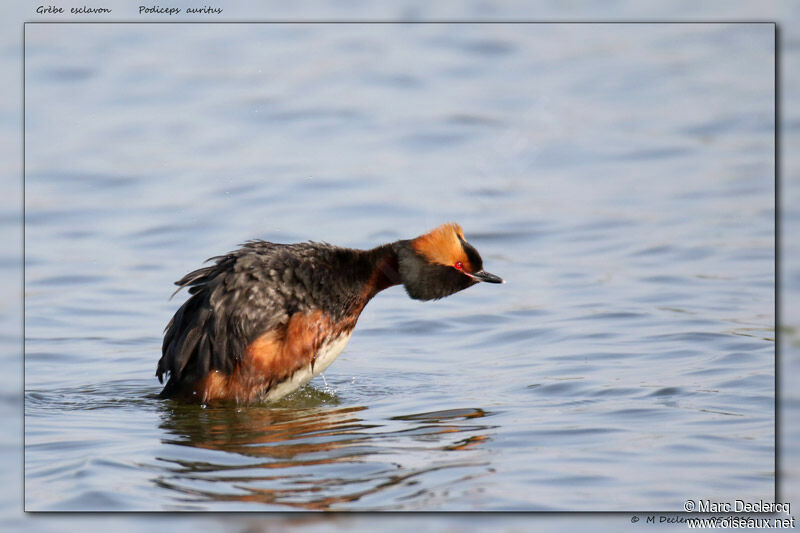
(263, 320)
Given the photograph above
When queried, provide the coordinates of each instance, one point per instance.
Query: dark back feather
(188, 350)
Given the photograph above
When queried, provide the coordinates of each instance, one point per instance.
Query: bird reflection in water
(316, 457)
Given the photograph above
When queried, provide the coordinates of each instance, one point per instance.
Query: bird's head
(440, 263)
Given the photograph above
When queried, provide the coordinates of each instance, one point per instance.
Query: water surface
(619, 177)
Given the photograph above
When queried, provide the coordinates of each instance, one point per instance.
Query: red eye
(459, 265)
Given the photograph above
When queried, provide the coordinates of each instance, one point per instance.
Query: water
(619, 177)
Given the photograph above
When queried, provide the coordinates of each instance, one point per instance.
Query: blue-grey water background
(620, 177)
(784, 12)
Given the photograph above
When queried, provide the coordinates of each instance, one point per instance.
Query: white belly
(327, 353)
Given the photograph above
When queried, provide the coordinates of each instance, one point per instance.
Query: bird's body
(265, 319)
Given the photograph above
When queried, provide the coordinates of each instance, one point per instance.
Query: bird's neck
(358, 276)
(381, 266)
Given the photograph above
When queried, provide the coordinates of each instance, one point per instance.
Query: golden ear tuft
(443, 245)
